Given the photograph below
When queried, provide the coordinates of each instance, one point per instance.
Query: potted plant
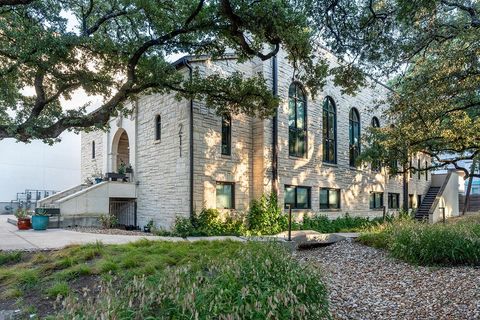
(122, 168)
(148, 228)
(40, 219)
(23, 220)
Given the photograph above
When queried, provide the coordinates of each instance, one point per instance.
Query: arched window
(376, 165)
(93, 149)
(297, 121)
(226, 135)
(354, 132)
(158, 127)
(329, 131)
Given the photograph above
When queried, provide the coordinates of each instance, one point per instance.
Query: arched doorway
(120, 149)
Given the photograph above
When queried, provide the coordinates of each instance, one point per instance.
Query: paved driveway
(13, 239)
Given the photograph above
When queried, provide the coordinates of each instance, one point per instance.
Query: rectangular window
(297, 197)
(329, 198)
(376, 200)
(426, 171)
(93, 149)
(394, 200)
(410, 170)
(410, 201)
(225, 195)
(419, 200)
(226, 135)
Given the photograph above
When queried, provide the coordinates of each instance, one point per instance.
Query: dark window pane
(226, 135)
(290, 196)
(302, 198)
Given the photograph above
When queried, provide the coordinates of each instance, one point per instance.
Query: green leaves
(120, 49)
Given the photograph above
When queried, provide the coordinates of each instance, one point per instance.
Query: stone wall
(250, 164)
(89, 165)
(162, 166)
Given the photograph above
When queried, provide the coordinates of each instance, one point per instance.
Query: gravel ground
(110, 231)
(365, 283)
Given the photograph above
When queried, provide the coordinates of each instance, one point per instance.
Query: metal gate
(126, 212)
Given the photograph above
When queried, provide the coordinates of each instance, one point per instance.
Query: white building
(184, 157)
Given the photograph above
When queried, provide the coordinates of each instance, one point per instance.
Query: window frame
(339, 195)
(426, 171)
(376, 165)
(226, 146)
(295, 205)
(419, 173)
(232, 196)
(93, 150)
(294, 131)
(351, 134)
(158, 127)
(390, 200)
(372, 196)
(327, 139)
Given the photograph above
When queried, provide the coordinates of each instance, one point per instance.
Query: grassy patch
(426, 244)
(9, 257)
(256, 281)
(234, 274)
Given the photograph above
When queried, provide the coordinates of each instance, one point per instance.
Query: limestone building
(184, 157)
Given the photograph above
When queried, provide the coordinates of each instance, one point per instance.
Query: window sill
(330, 210)
(156, 141)
(377, 209)
(297, 158)
(226, 156)
(329, 164)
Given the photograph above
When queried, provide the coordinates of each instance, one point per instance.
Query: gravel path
(111, 231)
(364, 283)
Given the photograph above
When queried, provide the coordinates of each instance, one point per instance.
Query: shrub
(258, 281)
(108, 221)
(265, 216)
(322, 223)
(427, 244)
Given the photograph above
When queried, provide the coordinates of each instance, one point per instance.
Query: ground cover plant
(448, 244)
(164, 280)
(264, 217)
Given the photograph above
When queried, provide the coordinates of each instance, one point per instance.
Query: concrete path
(13, 239)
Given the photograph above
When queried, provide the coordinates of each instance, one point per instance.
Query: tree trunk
(473, 169)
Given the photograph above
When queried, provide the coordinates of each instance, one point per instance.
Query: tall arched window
(93, 149)
(158, 127)
(297, 121)
(329, 131)
(376, 164)
(354, 132)
(226, 135)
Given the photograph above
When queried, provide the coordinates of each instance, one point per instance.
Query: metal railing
(126, 212)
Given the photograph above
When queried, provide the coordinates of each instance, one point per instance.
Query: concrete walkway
(13, 239)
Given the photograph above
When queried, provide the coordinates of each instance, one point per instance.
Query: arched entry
(120, 149)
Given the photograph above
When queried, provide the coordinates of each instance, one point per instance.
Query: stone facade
(162, 169)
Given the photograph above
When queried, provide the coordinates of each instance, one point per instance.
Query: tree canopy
(429, 52)
(118, 49)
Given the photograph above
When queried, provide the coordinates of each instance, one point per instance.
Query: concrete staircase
(426, 205)
(52, 201)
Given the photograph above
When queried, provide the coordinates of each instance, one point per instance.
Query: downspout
(190, 74)
(275, 128)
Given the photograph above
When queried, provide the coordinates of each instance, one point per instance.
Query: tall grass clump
(428, 244)
(259, 281)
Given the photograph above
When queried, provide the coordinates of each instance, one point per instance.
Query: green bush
(323, 224)
(427, 244)
(258, 281)
(266, 217)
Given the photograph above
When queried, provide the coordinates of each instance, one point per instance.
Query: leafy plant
(108, 221)
(265, 216)
(21, 214)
